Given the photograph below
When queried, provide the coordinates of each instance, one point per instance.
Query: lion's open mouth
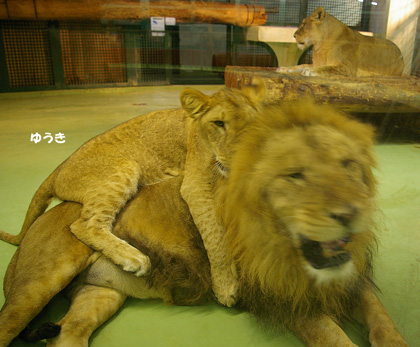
(325, 254)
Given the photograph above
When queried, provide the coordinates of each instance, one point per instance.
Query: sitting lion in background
(339, 50)
(297, 206)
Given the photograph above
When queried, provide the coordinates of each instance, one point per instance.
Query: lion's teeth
(330, 244)
(336, 244)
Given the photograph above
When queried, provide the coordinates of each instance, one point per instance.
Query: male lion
(297, 206)
(339, 50)
(108, 170)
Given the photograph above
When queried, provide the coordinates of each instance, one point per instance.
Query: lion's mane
(275, 286)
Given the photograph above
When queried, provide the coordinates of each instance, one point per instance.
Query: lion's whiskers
(215, 173)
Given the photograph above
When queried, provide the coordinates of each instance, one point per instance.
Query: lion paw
(228, 298)
(139, 265)
(307, 71)
(226, 293)
(288, 69)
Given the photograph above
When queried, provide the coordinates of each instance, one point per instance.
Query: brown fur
(245, 201)
(295, 172)
(49, 257)
(182, 269)
(276, 284)
(339, 50)
(107, 171)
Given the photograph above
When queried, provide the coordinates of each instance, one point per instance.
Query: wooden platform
(367, 94)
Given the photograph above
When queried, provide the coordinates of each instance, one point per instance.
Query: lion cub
(108, 170)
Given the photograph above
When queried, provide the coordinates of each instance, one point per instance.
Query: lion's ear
(319, 14)
(194, 102)
(256, 92)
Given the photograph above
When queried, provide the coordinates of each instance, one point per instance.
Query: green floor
(79, 115)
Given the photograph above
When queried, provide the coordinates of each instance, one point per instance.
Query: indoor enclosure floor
(82, 114)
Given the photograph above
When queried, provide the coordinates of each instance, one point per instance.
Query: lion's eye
(219, 123)
(296, 175)
(352, 167)
(349, 164)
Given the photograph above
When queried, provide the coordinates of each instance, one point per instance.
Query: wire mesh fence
(92, 53)
(28, 54)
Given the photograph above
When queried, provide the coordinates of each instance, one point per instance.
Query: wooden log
(351, 94)
(183, 11)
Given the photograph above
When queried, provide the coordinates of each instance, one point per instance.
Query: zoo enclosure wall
(44, 55)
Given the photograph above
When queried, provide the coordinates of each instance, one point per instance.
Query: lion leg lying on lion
(88, 310)
(50, 257)
(112, 167)
(297, 208)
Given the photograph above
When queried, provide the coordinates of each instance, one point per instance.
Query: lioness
(108, 170)
(297, 206)
(339, 50)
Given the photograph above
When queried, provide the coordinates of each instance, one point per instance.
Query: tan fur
(339, 50)
(220, 123)
(290, 161)
(297, 170)
(108, 170)
(49, 257)
(303, 171)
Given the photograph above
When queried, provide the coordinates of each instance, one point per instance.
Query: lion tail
(38, 205)
(46, 331)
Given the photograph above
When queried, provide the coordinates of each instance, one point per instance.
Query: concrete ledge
(281, 41)
(271, 34)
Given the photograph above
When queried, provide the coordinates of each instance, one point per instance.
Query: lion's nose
(294, 35)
